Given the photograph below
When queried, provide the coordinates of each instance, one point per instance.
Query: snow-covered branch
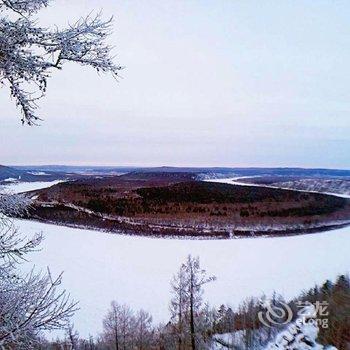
(28, 304)
(23, 7)
(29, 53)
(31, 304)
(13, 247)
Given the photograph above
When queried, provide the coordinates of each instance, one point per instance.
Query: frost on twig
(23, 6)
(29, 53)
(13, 247)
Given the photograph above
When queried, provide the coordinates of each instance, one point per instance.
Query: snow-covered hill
(336, 186)
(10, 175)
(19, 187)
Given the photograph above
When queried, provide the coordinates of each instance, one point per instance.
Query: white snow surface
(10, 179)
(19, 187)
(39, 173)
(234, 339)
(100, 267)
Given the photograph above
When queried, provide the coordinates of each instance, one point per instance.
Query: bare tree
(144, 330)
(29, 53)
(196, 278)
(187, 287)
(125, 329)
(179, 305)
(28, 304)
(72, 337)
(118, 325)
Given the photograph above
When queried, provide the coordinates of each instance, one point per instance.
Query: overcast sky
(206, 83)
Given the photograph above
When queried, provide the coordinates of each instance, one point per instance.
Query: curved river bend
(100, 267)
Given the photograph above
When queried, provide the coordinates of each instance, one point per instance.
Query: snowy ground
(100, 267)
(18, 187)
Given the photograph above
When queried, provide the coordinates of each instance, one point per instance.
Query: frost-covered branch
(29, 53)
(23, 7)
(13, 247)
(32, 303)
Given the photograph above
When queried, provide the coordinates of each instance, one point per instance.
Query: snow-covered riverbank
(99, 267)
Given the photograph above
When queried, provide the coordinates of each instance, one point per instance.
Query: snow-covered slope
(336, 186)
(19, 187)
(10, 174)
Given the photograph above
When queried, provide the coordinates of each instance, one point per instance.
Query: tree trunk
(180, 334)
(193, 340)
(116, 340)
(180, 321)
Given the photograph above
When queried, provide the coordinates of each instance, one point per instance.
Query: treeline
(195, 325)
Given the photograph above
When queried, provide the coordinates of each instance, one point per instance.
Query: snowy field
(18, 187)
(100, 267)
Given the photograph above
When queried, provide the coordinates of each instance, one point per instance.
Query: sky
(205, 83)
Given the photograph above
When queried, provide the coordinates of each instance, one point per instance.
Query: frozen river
(100, 267)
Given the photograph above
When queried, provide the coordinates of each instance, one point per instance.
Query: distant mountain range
(205, 171)
(76, 169)
(11, 174)
(32, 173)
